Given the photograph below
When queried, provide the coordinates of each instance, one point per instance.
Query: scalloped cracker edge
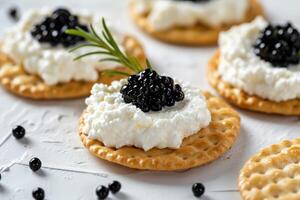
(199, 149)
(273, 173)
(243, 100)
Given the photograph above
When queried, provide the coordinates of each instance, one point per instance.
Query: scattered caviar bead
(115, 187)
(35, 164)
(18, 132)
(52, 29)
(38, 194)
(14, 13)
(0, 177)
(102, 192)
(151, 92)
(279, 45)
(198, 189)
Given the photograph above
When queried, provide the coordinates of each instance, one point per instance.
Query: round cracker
(194, 36)
(241, 99)
(14, 78)
(273, 173)
(205, 146)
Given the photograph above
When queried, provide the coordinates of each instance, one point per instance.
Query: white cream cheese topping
(165, 14)
(117, 124)
(53, 64)
(240, 67)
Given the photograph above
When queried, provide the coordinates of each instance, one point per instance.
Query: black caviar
(35, 164)
(150, 91)
(279, 45)
(115, 187)
(18, 132)
(198, 189)
(102, 192)
(38, 194)
(13, 13)
(52, 29)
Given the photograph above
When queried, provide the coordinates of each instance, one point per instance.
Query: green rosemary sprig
(108, 47)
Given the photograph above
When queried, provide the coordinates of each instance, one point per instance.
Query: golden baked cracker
(205, 146)
(273, 173)
(16, 80)
(243, 100)
(195, 36)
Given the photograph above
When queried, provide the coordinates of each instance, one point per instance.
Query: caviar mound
(52, 29)
(151, 92)
(279, 45)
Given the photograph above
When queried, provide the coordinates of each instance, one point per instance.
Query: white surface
(52, 136)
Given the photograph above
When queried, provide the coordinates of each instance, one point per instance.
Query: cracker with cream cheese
(199, 149)
(241, 99)
(16, 80)
(194, 36)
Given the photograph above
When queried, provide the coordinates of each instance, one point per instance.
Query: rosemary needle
(107, 46)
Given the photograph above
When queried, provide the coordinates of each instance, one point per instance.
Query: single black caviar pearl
(18, 132)
(279, 45)
(170, 102)
(198, 189)
(102, 192)
(61, 12)
(14, 13)
(151, 92)
(178, 95)
(0, 177)
(115, 187)
(38, 194)
(35, 164)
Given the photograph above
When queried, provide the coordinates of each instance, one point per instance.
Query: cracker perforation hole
(294, 190)
(206, 149)
(291, 176)
(184, 158)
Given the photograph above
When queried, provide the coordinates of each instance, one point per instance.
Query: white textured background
(51, 127)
